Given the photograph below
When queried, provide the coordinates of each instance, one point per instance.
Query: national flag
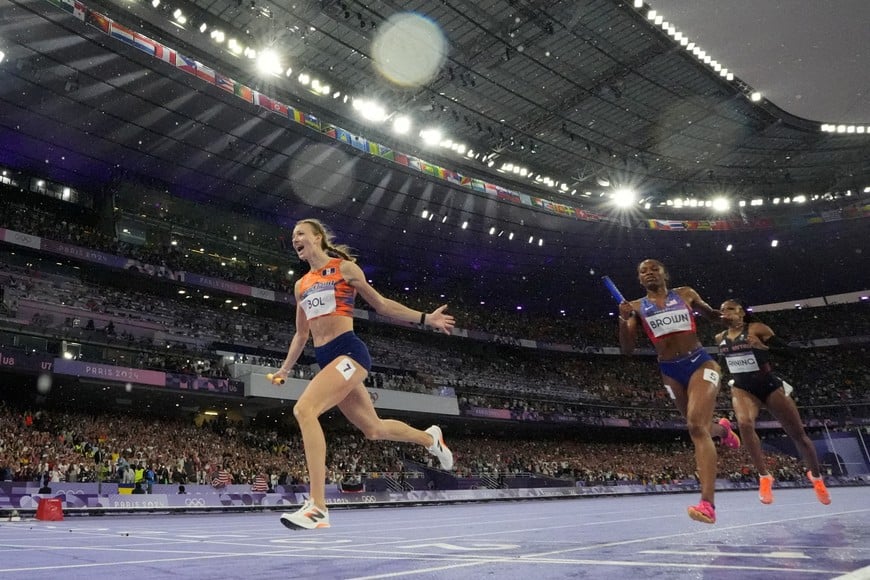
(490, 188)
(280, 108)
(465, 181)
(413, 163)
(243, 92)
(144, 43)
(428, 168)
(589, 216)
(260, 485)
(98, 20)
(478, 185)
(670, 225)
(122, 33)
(385, 152)
(507, 195)
(275, 106)
(165, 53)
(401, 159)
(225, 83)
(221, 478)
(262, 100)
(311, 121)
(360, 143)
(74, 7)
(329, 131)
(204, 72)
(188, 65)
(543, 203)
(343, 135)
(297, 115)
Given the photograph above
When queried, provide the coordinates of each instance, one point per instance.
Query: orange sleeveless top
(323, 292)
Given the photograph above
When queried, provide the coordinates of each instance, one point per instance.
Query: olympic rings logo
(194, 501)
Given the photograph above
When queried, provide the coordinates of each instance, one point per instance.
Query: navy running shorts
(682, 369)
(347, 344)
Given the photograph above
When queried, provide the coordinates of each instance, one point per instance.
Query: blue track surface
(609, 537)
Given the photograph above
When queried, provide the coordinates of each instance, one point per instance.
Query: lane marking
(469, 548)
(708, 530)
(860, 574)
(783, 555)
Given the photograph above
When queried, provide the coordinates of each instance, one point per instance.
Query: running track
(608, 537)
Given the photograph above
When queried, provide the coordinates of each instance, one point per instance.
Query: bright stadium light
(431, 136)
(269, 63)
(624, 197)
(721, 204)
(401, 124)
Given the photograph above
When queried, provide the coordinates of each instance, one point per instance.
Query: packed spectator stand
(149, 323)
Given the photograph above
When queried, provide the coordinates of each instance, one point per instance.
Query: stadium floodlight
(624, 197)
(269, 63)
(431, 136)
(721, 204)
(401, 124)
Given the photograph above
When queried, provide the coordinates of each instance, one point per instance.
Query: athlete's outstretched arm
(697, 303)
(354, 276)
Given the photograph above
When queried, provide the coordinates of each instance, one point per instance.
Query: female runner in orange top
(324, 310)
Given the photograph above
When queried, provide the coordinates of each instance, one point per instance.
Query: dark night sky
(809, 57)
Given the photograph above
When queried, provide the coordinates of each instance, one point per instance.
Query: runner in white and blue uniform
(690, 375)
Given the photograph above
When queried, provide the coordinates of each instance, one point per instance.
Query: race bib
(742, 363)
(319, 303)
(669, 321)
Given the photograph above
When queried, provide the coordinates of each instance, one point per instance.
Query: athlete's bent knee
(745, 425)
(698, 430)
(373, 432)
(303, 412)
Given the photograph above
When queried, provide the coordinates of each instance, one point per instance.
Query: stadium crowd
(148, 326)
(508, 323)
(56, 445)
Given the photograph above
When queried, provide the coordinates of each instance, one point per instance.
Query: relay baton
(614, 291)
(274, 380)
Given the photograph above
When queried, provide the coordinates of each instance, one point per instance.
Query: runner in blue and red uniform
(745, 348)
(690, 375)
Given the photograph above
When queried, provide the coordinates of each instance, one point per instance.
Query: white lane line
(418, 571)
(860, 574)
(706, 530)
(600, 563)
(781, 555)
(127, 563)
